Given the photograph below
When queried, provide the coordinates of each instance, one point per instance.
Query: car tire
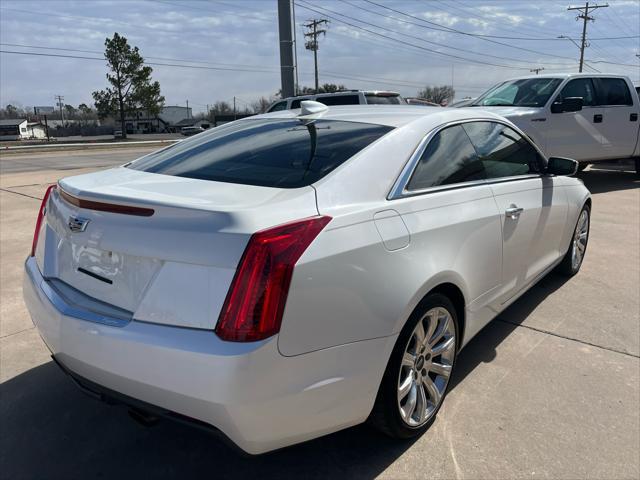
(392, 413)
(572, 261)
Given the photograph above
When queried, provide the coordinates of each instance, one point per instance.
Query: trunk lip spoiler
(105, 206)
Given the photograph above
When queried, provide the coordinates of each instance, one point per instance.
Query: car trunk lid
(162, 247)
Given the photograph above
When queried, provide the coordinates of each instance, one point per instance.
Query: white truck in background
(587, 117)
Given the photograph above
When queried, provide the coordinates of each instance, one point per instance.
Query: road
(70, 159)
(550, 389)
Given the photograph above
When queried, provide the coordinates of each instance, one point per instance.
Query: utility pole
(60, 99)
(287, 67)
(188, 116)
(536, 70)
(234, 108)
(585, 17)
(312, 44)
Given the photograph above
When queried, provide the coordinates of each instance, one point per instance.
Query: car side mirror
(569, 104)
(561, 166)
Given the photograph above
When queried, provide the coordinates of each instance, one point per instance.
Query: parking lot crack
(577, 340)
(18, 193)
(16, 333)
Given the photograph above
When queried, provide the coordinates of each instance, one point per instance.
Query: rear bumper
(256, 397)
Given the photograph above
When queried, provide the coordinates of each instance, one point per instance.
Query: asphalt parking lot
(550, 389)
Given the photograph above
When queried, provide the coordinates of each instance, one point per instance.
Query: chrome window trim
(399, 189)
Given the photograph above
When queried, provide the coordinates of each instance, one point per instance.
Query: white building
(173, 114)
(21, 129)
(166, 121)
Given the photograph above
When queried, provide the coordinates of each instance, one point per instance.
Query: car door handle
(513, 211)
(597, 118)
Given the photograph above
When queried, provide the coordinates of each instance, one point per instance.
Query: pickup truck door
(575, 135)
(619, 125)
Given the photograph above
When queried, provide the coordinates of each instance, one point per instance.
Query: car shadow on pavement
(49, 429)
(601, 180)
(482, 348)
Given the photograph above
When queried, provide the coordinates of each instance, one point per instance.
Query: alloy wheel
(580, 238)
(426, 367)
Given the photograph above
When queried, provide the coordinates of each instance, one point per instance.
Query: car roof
(340, 93)
(389, 115)
(566, 75)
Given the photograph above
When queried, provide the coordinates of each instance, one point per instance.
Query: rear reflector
(106, 207)
(41, 214)
(255, 303)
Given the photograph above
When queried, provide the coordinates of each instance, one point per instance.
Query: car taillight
(41, 213)
(255, 303)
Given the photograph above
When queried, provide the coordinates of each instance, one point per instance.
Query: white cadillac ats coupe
(292, 274)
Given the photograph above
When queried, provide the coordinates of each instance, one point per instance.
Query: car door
(619, 122)
(533, 207)
(576, 135)
(453, 221)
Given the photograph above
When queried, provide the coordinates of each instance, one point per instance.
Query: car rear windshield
(373, 99)
(283, 153)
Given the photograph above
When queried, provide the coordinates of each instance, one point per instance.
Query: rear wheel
(416, 380)
(572, 260)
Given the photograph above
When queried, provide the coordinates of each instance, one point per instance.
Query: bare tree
(261, 104)
(440, 95)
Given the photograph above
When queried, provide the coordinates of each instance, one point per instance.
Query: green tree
(439, 95)
(324, 88)
(12, 112)
(131, 85)
(69, 111)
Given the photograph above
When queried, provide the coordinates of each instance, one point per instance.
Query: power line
(40, 47)
(485, 19)
(466, 50)
(452, 30)
(406, 43)
(197, 67)
(444, 28)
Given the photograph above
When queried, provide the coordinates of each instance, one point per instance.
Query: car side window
(579, 87)
(502, 151)
(613, 91)
(278, 106)
(449, 158)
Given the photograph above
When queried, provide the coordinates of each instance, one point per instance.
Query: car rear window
(339, 100)
(283, 153)
(384, 99)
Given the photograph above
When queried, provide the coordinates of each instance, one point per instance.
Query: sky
(205, 51)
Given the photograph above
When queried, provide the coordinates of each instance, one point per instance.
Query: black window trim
(399, 189)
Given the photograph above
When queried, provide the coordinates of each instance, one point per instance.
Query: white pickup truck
(587, 117)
